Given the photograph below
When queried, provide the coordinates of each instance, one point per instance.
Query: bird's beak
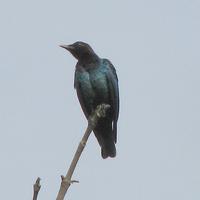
(68, 47)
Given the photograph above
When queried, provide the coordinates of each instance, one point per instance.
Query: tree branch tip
(38, 180)
(74, 181)
(62, 177)
(37, 185)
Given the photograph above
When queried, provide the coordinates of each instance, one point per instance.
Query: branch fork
(66, 181)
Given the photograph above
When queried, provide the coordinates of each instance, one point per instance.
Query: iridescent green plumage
(96, 82)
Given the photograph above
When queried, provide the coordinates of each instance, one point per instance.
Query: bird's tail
(108, 148)
(104, 134)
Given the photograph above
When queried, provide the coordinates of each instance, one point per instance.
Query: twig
(92, 121)
(36, 188)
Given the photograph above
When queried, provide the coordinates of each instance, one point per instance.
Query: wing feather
(112, 80)
(82, 102)
(81, 96)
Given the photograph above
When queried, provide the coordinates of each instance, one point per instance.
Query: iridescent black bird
(96, 82)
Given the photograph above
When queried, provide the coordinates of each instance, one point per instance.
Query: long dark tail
(106, 138)
(108, 148)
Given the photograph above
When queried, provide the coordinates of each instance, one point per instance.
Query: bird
(96, 82)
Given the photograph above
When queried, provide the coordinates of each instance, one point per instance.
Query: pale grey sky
(154, 46)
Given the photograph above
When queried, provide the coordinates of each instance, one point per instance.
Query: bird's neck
(90, 59)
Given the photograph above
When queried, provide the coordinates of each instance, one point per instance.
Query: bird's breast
(99, 84)
(94, 86)
(83, 79)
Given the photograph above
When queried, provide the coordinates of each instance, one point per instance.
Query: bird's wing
(81, 100)
(112, 80)
(80, 95)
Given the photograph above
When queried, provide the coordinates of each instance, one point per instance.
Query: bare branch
(92, 121)
(36, 188)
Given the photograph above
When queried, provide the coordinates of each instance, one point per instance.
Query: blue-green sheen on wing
(96, 86)
(96, 83)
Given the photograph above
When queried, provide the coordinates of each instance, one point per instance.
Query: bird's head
(81, 51)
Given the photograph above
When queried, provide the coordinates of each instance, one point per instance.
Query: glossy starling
(96, 82)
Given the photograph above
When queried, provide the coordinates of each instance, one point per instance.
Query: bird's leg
(99, 112)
